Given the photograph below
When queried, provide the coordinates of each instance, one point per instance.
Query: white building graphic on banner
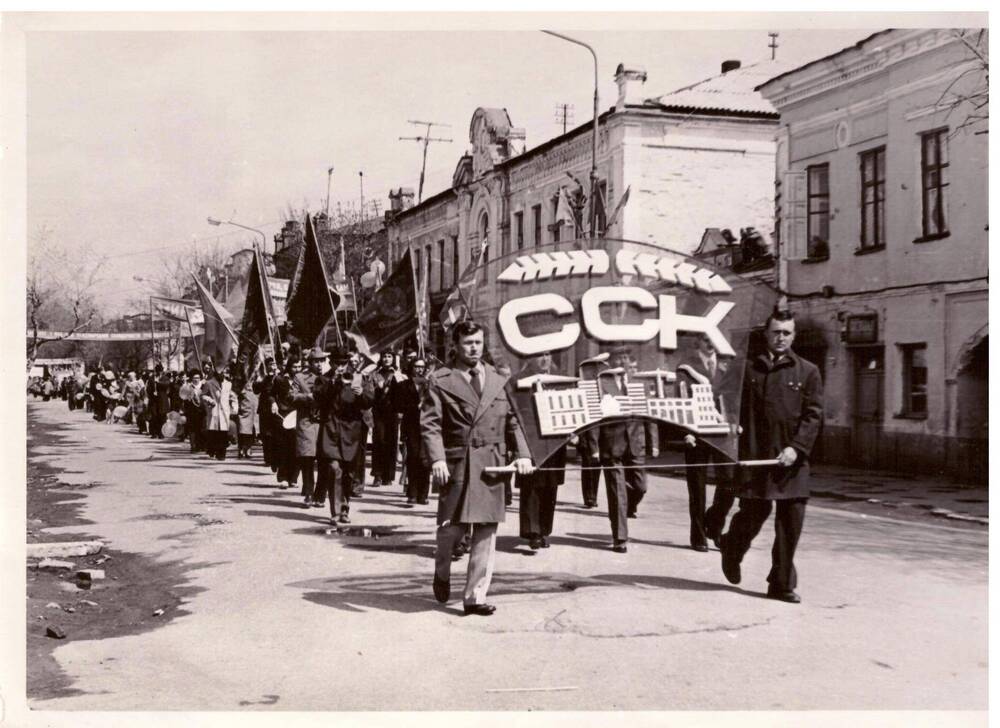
(563, 411)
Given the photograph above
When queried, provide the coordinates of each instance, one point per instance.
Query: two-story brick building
(883, 221)
(700, 157)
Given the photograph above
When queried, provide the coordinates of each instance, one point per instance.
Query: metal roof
(731, 92)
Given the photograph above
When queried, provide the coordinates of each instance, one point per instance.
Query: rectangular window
(536, 218)
(934, 181)
(519, 230)
(818, 226)
(430, 266)
(873, 199)
(441, 266)
(555, 217)
(914, 379)
(455, 272)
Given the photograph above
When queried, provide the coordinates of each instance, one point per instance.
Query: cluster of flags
(399, 308)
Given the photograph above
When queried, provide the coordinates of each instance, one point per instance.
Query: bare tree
(60, 290)
(210, 264)
(968, 94)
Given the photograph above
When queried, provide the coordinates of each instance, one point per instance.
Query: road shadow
(310, 516)
(408, 593)
(279, 499)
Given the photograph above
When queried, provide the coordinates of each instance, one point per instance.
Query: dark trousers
(788, 518)
(216, 443)
(385, 444)
(707, 524)
(537, 506)
(625, 488)
(330, 483)
(358, 468)
(307, 468)
(418, 476)
(155, 423)
(267, 445)
(590, 479)
(284, 453)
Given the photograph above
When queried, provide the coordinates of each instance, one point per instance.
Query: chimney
(731, 65)
(630, 81)
(400, 199)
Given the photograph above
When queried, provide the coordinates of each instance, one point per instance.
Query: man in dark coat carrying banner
(781, 414)
(466, 417)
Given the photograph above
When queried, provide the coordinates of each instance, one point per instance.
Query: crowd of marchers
(453, 428)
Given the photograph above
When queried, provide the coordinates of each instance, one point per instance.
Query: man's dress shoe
(442, 589)
(483, 610)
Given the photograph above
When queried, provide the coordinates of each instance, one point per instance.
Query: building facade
(883, 234)
(700, 157)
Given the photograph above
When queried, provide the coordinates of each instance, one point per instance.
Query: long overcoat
(782, 406)
(342, 429)
(246, 422)
(468, 433)
(307, 414)
(219, 402)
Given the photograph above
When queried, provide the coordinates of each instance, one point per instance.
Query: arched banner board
(597, 332)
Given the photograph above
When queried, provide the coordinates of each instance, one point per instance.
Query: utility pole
(361, 177)
(564, 115)
(329, 175)
(426, 138)
(773, 45)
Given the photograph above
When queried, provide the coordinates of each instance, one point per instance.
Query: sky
(135, 138)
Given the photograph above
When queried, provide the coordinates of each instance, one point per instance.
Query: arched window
(484, 233)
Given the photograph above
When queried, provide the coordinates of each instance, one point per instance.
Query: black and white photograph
(582, 367)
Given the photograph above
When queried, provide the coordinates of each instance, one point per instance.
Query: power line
(426, 138)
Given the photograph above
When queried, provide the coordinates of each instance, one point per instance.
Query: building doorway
(868, 409)
(972, 413)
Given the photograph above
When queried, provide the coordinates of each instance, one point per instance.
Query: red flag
(259, 328)
(391, 315)
(311, 301)
(461, 300)
(220, 339)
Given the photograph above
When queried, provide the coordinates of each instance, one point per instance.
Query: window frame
(811, 252)
(519, 229)
(877, 204)
(910, 390)
(940, 137)
(536, 221)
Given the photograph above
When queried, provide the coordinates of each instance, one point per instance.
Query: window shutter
(794, 216)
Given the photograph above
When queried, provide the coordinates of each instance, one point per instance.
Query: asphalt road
(286, 616)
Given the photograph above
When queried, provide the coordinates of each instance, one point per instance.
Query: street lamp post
(593, 153)
(263, 238)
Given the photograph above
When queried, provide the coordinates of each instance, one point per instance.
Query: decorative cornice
(853, 64)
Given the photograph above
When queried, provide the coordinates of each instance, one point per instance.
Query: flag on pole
(391, 315)
(461, 301)
(424, 305)
(564, 210)
(220, 339)
(258, 332)
(311, 302)
(618, 208)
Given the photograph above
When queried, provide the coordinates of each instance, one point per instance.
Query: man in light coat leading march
(466, 417)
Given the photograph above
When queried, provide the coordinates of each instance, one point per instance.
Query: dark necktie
(476, 384)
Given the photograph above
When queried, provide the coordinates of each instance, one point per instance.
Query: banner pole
(741, 463)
